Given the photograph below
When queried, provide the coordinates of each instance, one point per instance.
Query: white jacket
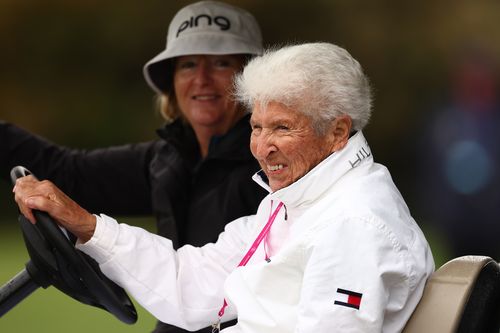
(346, 230)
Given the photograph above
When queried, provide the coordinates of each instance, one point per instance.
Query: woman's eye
(221, 63)
(186, 64)
(256, 129)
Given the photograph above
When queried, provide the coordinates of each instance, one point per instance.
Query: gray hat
(205, 27)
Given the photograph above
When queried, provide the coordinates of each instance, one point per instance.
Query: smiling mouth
(205, 97)
(275, 167)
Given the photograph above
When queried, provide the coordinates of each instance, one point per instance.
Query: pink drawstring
(263, 233)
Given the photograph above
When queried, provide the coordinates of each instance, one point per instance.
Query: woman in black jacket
(200, 167)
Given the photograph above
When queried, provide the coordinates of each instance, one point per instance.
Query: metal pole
(14, 291)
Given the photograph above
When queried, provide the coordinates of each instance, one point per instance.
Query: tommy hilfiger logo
(348, 298)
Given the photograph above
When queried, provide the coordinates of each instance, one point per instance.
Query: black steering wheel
(55, 261)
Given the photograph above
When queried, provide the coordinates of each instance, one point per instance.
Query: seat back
(462, 296)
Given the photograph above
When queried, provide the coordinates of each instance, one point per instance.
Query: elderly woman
(332, 248)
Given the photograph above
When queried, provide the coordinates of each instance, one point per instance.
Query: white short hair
(320, 80)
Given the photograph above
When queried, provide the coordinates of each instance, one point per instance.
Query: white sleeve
(356, 274)
(184, 287)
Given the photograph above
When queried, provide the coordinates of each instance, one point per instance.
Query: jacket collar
(323, 176)
(234, 145)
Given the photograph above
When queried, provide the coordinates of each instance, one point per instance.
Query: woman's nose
(263, 146)
(203, 74)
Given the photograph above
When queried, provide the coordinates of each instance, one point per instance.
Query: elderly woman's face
(203, 89)
(285, 144)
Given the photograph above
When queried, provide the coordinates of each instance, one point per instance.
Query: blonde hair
(167, 106)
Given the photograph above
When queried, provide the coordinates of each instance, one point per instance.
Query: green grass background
(49, 310)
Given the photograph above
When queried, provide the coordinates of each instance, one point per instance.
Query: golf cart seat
(462, 296)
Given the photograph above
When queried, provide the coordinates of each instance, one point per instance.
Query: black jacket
(192, 198)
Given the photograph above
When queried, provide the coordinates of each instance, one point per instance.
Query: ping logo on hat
(221, 21)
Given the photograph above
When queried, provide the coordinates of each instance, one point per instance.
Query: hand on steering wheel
(55, 261)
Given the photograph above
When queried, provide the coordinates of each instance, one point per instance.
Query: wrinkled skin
(286, 145)
(30, 194)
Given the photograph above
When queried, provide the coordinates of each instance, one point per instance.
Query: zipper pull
(216, 326)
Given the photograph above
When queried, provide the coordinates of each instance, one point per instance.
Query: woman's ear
(341, 129)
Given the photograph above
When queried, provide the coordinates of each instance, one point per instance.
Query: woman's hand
(31, 194)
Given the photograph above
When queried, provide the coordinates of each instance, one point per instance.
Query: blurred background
(71, 71)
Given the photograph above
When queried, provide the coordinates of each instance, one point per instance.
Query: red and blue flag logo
(348, 298)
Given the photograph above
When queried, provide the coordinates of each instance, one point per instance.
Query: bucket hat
(205, 27)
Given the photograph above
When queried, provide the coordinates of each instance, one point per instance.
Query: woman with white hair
(332, 248)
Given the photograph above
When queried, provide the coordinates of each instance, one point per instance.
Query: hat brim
(158, 71)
